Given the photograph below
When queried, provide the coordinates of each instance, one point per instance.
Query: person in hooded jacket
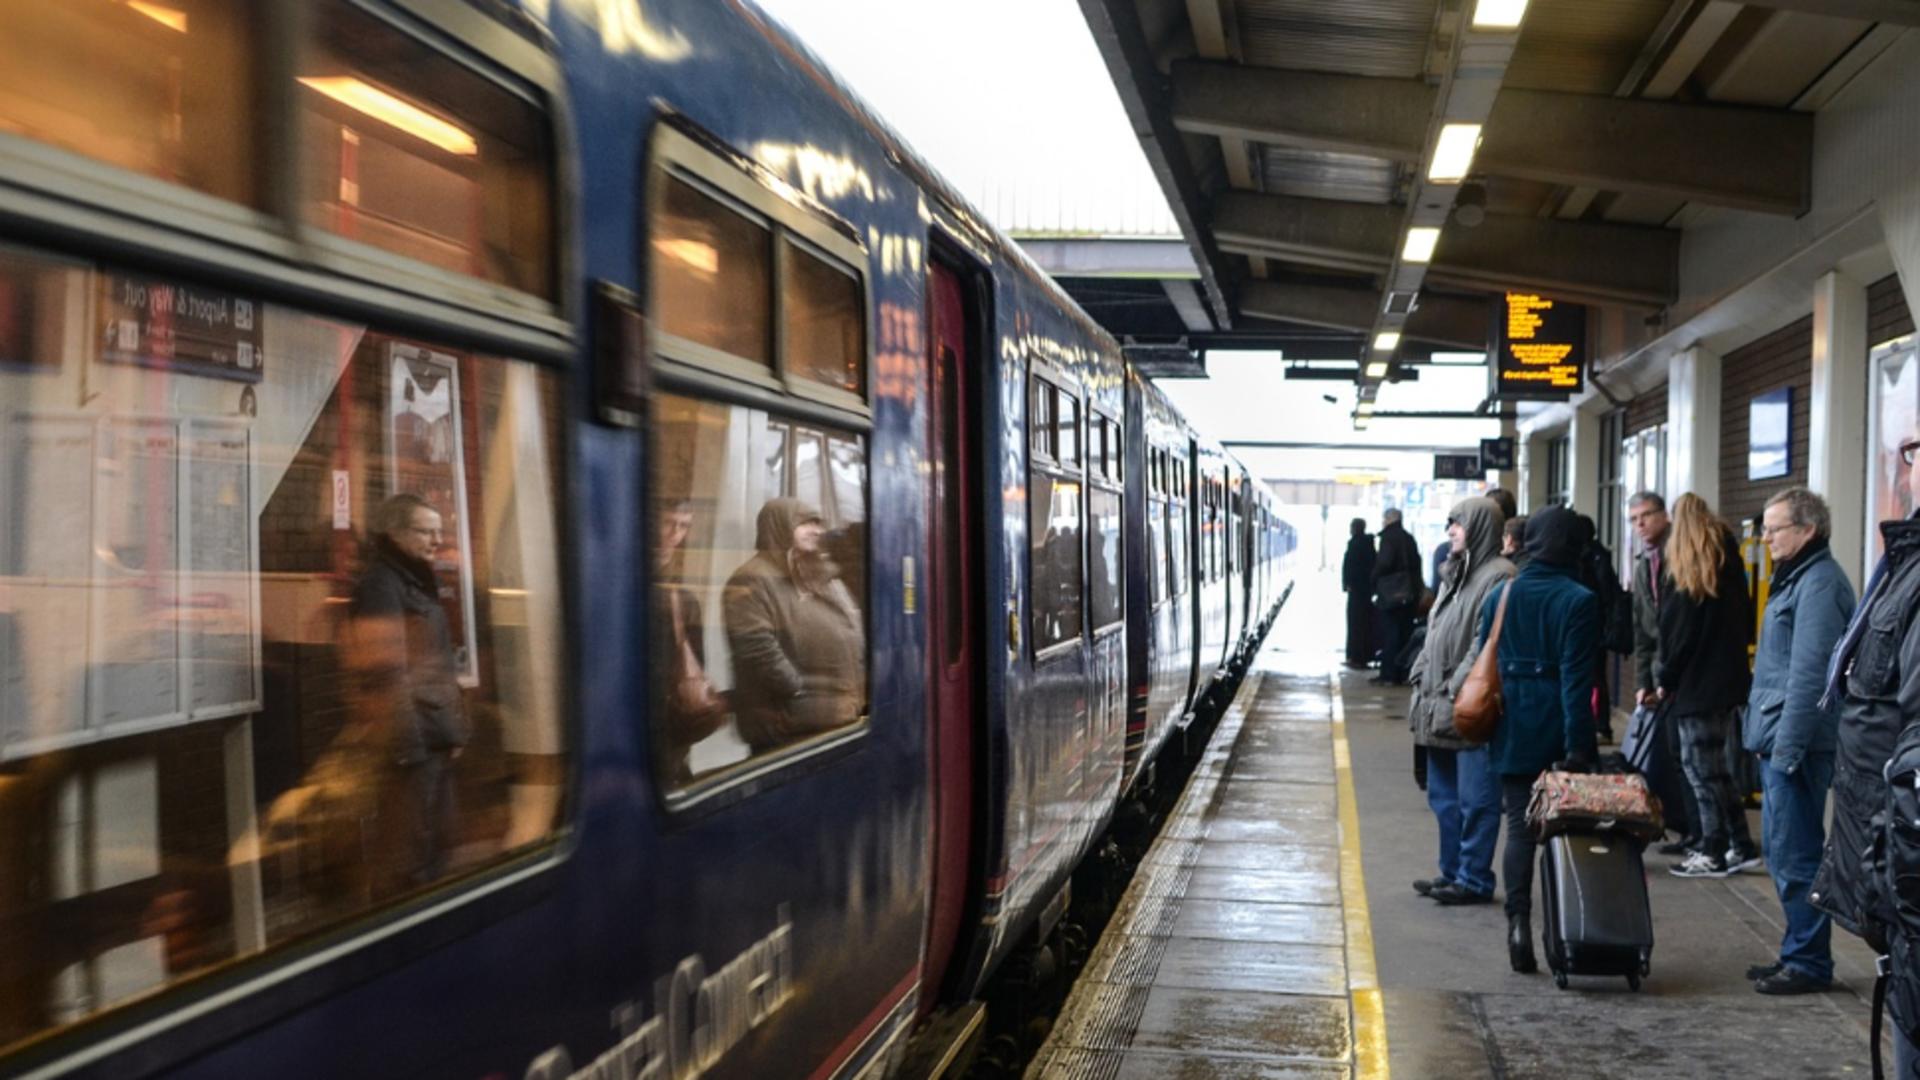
(1873, 678)
(1461, 786)
(1397, 581)
(1356, 579)
(1546, 653)
(1706, 624)
(797, 638)
(1807, 611)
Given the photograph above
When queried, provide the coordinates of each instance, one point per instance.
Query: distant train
(794, 582)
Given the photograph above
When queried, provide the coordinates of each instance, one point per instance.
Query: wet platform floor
(1267, 937)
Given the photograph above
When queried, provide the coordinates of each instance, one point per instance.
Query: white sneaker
(1700, 865)
(1738, 862)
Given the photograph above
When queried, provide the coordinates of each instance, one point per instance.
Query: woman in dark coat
(1547, 646)
(1706, 624)
(1356, 580)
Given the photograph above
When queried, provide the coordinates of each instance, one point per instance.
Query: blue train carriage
(1161, 598)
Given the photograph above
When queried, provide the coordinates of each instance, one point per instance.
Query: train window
(1177, 548)
(712, 279)
(283, 630)
(1066, 443)
(1054, 523)
(823, 318)
(1103, 575)
(1157, 548)
(1040, 418)
(414, 153)
(758, 626)
(162, 89)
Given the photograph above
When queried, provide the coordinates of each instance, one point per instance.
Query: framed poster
(1770, 435)
(219, 604)
(48, 482)
(135, 659)
(427, 457)
(1894, 416)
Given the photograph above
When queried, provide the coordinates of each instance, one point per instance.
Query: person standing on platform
(1513, 540)
(1874, 680)
(1807, 611)
(1503, 499)
(1706, 624)
(1647, 512)
(1546, 672)
(1461, 786)
(1396, 591)
(1597, 573)
(1356, 580)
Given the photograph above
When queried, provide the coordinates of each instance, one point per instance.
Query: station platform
(1272, 932)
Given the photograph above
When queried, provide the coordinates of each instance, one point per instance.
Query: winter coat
(1703, 642)
(1465, 580)
(1646, 619)
(1398, 555)
(428, 713)
(1547, 649)
(1807, 611)
(1356, 571)
(799, 651)
(1874, 678)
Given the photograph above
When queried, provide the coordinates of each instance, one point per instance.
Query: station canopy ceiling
(1299, 143)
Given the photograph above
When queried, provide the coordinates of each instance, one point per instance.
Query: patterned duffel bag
(1594, 802)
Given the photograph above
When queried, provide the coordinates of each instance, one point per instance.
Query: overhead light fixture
(1386, 340)
(1453, 153)
(170, 17)
(1365, 408)
(367, 98)
(1498, 14)
(1377, 369)
(1360, 423)
(1420, 242)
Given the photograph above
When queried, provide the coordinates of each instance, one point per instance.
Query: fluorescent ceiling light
(1365, 408)
(384, 107)
(1377, 369)
(1459, 359)
(170, 17)
(1420, 242)
(1386, 340)
(1360, 423)
(1498, 14)
(1453, 154)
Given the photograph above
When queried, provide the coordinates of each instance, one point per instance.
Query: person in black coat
(1706, 624)
(1597, 573)
(1398, 578)
(404, 657)
(1356, 580)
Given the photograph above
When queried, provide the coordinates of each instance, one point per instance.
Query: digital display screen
(1540, 347)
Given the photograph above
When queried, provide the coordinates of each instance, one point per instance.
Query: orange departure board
(1541, 347)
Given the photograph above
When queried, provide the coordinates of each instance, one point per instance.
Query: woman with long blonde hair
(1706, 624)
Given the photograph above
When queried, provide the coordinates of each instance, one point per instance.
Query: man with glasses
(1874, 679)
(400, 648)
(1647, 512)
(1807, 610)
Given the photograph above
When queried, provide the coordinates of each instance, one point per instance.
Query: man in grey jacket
(1462, 788)
(1807, 610)
(1647, 512)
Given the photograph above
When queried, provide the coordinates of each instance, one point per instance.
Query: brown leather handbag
(1477, 708)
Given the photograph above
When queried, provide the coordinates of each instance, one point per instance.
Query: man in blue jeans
(1807, 611)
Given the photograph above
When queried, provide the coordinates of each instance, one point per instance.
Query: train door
(953, 610)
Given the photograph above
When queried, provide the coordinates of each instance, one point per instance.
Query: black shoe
(1683, 846)
(1789, 981)
(1764, 971)
(1425, 886)
(1520, 944)
(1453, 895)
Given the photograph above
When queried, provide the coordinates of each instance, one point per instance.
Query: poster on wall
(1896, 414)
(48, 466)
(426, 457)
(1770, 435)
(218, 604)
(135, 658)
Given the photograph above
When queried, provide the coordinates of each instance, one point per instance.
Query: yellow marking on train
(1363, 979)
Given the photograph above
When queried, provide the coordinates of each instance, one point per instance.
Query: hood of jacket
(1483, 522)
(1554, 537)
(773, 531)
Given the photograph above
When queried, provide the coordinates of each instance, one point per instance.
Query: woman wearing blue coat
(1547, 648)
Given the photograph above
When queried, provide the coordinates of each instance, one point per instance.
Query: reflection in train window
(712, 278)
(1066, 445)
(824, 322)
(1177, 524)
(165, 90)
(758, 624)
(1040, 412)
(1103, 547)
(417, 154)
(1053, 504)
(282, 614)
(1157, 545)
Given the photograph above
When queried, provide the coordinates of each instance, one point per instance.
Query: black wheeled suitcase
(1593, 887)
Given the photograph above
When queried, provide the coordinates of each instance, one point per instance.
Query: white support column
(1693, 425)
(1584, 471)
(1837, 414)
(1533, 473)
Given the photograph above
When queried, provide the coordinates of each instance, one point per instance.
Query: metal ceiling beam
(1129, 58)
(1749, 159)
(1898, 12)
(1442, 320)
(1589, 262)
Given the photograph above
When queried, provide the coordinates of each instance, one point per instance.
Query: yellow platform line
(1363, 979)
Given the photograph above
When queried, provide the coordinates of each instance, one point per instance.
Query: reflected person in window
(693, 707)
(405, 659)
(799, 647)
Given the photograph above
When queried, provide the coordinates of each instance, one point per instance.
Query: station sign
(1540, 347)
(1496, 455)
(1457, 467)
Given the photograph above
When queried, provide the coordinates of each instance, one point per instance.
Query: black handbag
(1395, 590)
